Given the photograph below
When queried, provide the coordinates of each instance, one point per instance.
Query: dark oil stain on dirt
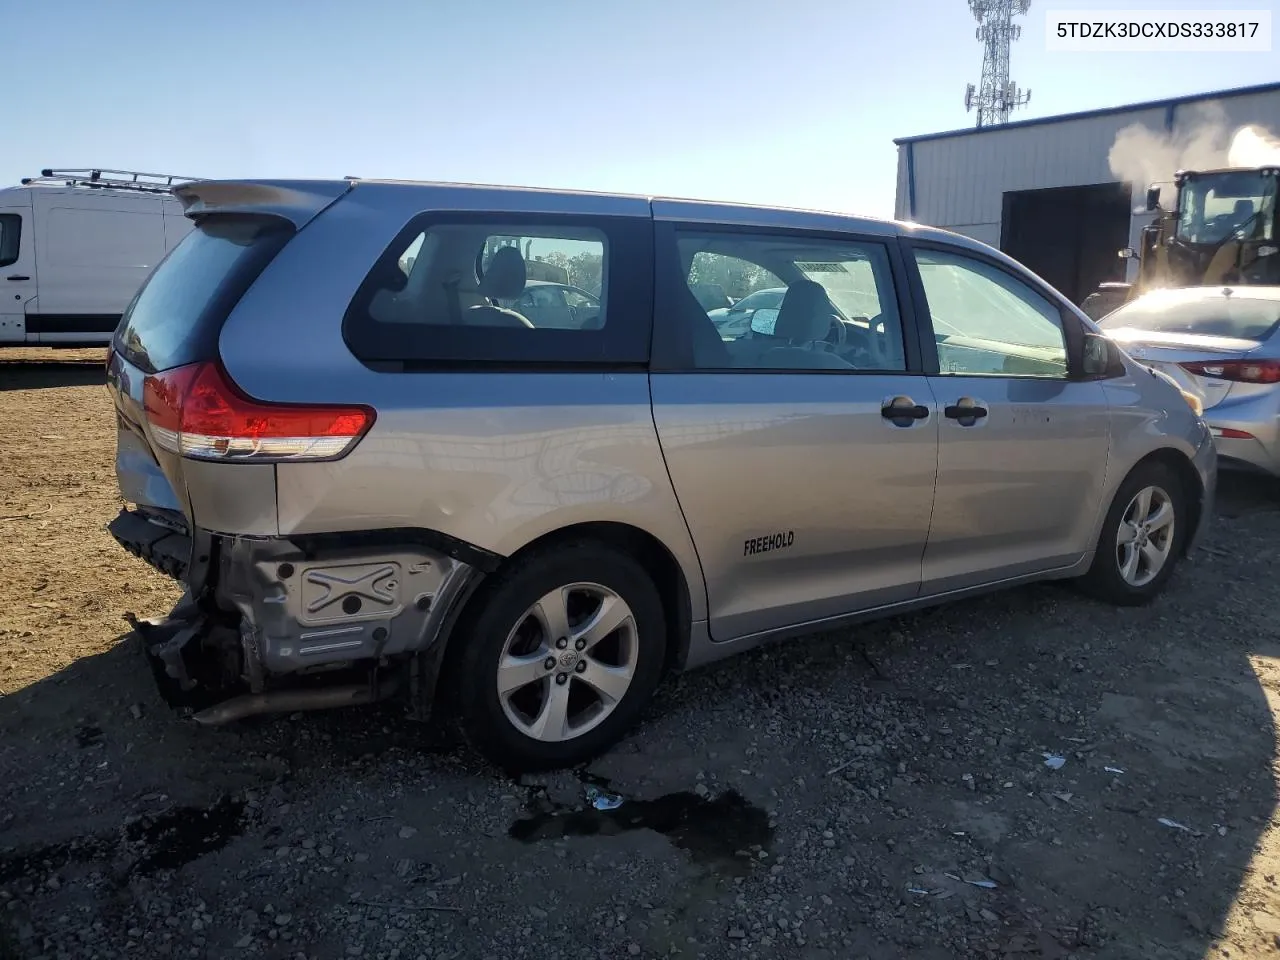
(88, 736)
(724, 832)
(36, 864)
(177, 837)
(165, 841)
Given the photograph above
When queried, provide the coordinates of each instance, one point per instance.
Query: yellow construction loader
(1221, 230)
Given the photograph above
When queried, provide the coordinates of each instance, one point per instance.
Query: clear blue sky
(753, 100)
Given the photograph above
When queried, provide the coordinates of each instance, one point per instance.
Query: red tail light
(197, 412)
(1241, 371)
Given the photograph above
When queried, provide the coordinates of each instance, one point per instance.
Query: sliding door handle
(965, 409)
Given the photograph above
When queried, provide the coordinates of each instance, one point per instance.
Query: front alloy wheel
(1141, 538)
(1144, 539)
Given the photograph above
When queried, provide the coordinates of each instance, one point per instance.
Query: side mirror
(763, 320)
(1128, 253)
(1097, 357)
(1153, 199)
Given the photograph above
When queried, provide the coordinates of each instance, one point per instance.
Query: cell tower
(996, 95)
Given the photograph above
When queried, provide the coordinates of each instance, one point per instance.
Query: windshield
(1214, 207)
(1217, 316)
(850, 284)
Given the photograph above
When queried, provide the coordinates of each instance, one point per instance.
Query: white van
(75, 246)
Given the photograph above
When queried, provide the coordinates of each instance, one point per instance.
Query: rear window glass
(1235, 316)
(176, 316)
(485, 289)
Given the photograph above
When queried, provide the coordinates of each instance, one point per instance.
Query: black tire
(499, 608)
(1104, 580)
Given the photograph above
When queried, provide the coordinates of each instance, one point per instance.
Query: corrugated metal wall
(960, 181)
(1259, 108)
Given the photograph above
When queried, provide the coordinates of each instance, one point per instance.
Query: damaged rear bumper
(291, 623)
(167, 548)
(337, 600)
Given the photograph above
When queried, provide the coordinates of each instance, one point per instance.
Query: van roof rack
(109, 180)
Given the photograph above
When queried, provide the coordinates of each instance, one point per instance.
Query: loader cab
(1225, 229)
(1220, 205)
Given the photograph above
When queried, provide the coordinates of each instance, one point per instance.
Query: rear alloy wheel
(563, 654)
(1141, 539)
(568, 662)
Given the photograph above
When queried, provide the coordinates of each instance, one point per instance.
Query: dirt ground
(883, 794)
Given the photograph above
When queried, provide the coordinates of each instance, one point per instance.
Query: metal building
(1042, 190)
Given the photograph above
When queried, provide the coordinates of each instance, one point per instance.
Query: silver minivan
(377, 481)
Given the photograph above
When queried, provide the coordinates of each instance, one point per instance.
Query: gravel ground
(878, 794)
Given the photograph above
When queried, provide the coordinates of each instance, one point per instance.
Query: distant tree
(556, 259)
(736, 277)
(586, 270)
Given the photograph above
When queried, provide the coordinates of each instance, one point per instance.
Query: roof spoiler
(298, 201)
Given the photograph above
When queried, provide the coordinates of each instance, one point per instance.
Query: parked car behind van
(1222, 346)
(377, 481)
(735, 321)
(75, 246)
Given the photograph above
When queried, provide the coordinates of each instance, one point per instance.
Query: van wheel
(564, 650)
(1141, 539)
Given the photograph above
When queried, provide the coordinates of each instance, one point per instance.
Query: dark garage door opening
(1070, 236)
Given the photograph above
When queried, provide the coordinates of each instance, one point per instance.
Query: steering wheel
(876, 330)
(864, 348)
(841, 334)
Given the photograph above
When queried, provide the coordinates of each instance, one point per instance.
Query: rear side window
(10, 238)
(177, 315)
(481, 289)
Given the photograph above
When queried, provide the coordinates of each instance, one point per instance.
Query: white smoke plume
(1203, 140)
(1254, 147)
